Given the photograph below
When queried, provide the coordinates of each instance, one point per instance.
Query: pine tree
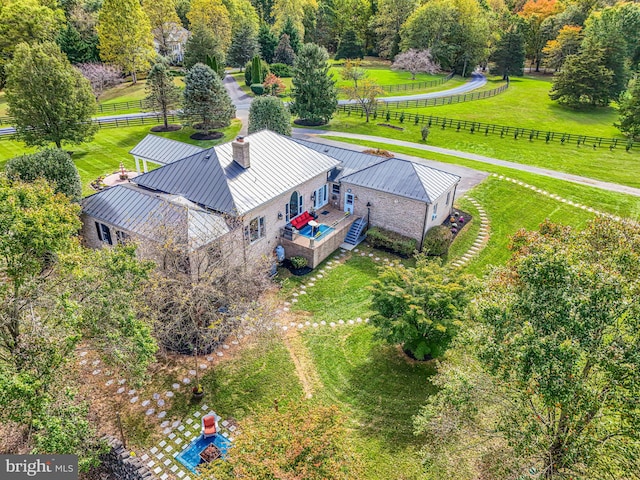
(314, 94)
(267, 42)
(244, 45)
(284, 53)
(630, 110)
(271, 113)
(350, 46)
(75, 47)
(294, 35)
(200, 45)
(214, 64)
(125, 36)
(49, 100)
(206, 100)
(508, 56)
(256, 70)
(162, 93)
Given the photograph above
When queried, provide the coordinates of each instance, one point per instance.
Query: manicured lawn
(602, 200)
(127, 92)
(110, 147)
(3, 105)
(617, 166)
(526, 104)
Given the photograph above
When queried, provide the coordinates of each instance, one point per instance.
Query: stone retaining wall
(121, 465)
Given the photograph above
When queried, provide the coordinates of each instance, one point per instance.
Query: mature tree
(314, 95)
(544, 384)
(419, 307)
(293, 10)
(566, 43)
(212, 14)
(252, 68)
(534, 13)
(456, 32)
(75, 47)
(365, 96)
(273, 85)
(29, 21)
(284, 53)
(125, 36)
(200, 45)
(350, 46)
(629, 109)
(299, 440)
(584, 80)
(49, 100)
(263, 8)
(56, 295)
(243, 17)
(508, 55)
(162, 18)
(267, 42)
(326, 26)
(182, 10)
(52, 164)
(353, 72)
(416, 61)
(356, 15)
(244, 45)
(271, 113)
(100, 76)
(162, 93)
(206, 99)
(214, 64)
(294, 36)
(387, 22)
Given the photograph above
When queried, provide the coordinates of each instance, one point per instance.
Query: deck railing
(293, 235)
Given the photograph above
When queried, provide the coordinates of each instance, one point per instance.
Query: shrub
(247, 72)
(298, 262)
(281, 70)
(381, 238)
(257, 88)
(425, 133)
(437, 241)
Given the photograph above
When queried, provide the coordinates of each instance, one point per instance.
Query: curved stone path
(482, 238)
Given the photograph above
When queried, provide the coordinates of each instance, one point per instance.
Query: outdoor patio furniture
(301, 220)
(210, 453)
(209, 426)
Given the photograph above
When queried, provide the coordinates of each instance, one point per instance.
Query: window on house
(435, 212)
(122, 237)
(294, 207)
(255, 230)
(104, 233)
(320, 196)
(335, 189)
(448, 197)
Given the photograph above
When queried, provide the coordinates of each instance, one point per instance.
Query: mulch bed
(206, 136)
(298, 272)
(307, 123)
(448, 223)
(170, 128)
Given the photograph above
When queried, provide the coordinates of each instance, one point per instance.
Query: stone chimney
(240, 148)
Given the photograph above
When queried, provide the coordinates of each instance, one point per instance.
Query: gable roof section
(351, 160)
(404, 178)
(199, 178)
(162, 150)
(151, 215)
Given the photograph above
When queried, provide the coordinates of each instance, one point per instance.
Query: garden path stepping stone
(192, 372)
(83, 362)
(225, 346)
(157, 470)
(180, 474)
(311, 284)
(161, 403)
(164, 476)
(186, 380)
(285, 328)
(323, 322)
(196, 414)
(285, 309)
(151, 464)
(181, 428)
(131, 392)
(167, 462)
(341, 322)
(95, 363)
(168, 394)
(220, 354)
(295, 300)
(351, 322)
(294, 294)
(332, 324)
(96, 372)
(189, 421)
(209, 358)
(133, 399)
(162, 414)
(320, 276)
(163, 443)
(121, 390)
(172, 436)
(300, 325)
(82, 354)
(155, 396)
(154, 450)
(174, 469)
(151, 411)
(356, 250)
(122, 381)
(303, 287)
(315, 325)
(168, 449)
(108, 383)
(175, 423)
(307, 323)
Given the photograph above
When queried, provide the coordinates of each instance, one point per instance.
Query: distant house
(176, 40)
(267, 190)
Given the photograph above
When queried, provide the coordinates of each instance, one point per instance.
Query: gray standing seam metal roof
(277, 165)
(146, 213)
(404, 178)
(163, 150)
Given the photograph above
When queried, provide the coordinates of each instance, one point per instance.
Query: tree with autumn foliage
(544, 384)
(273, 85)
(566, 43)
(296, 441)
(534, 12)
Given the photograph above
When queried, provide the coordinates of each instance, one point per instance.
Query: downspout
(424, 225)
(453, 200)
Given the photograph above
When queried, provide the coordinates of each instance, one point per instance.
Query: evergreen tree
(77, 49)
(271, 113)
(244, 45)
(350, 46)
(214, 64)
(267, 42)
(583, 80)
(200, 45)
(248, 72)
(508, 56)
(182, 9)
(162, 93)
(284, 53)
(206, 100)
(52, 164)
(326, 31)
(212, 14)
(294, 35)
(125, 36)
(314, 96)
(387, 23)
(630, 110)
(256, 70)
(49, 100)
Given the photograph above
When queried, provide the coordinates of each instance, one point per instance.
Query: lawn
(110, 147)
(617, 166)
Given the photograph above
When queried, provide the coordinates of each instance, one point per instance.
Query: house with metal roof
(270, 190)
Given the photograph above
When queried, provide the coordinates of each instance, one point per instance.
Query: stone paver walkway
(482, 238)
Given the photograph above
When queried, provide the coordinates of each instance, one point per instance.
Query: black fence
(482, 128)
(118, 107)
(407, 87)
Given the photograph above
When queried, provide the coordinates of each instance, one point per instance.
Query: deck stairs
(356, 233)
